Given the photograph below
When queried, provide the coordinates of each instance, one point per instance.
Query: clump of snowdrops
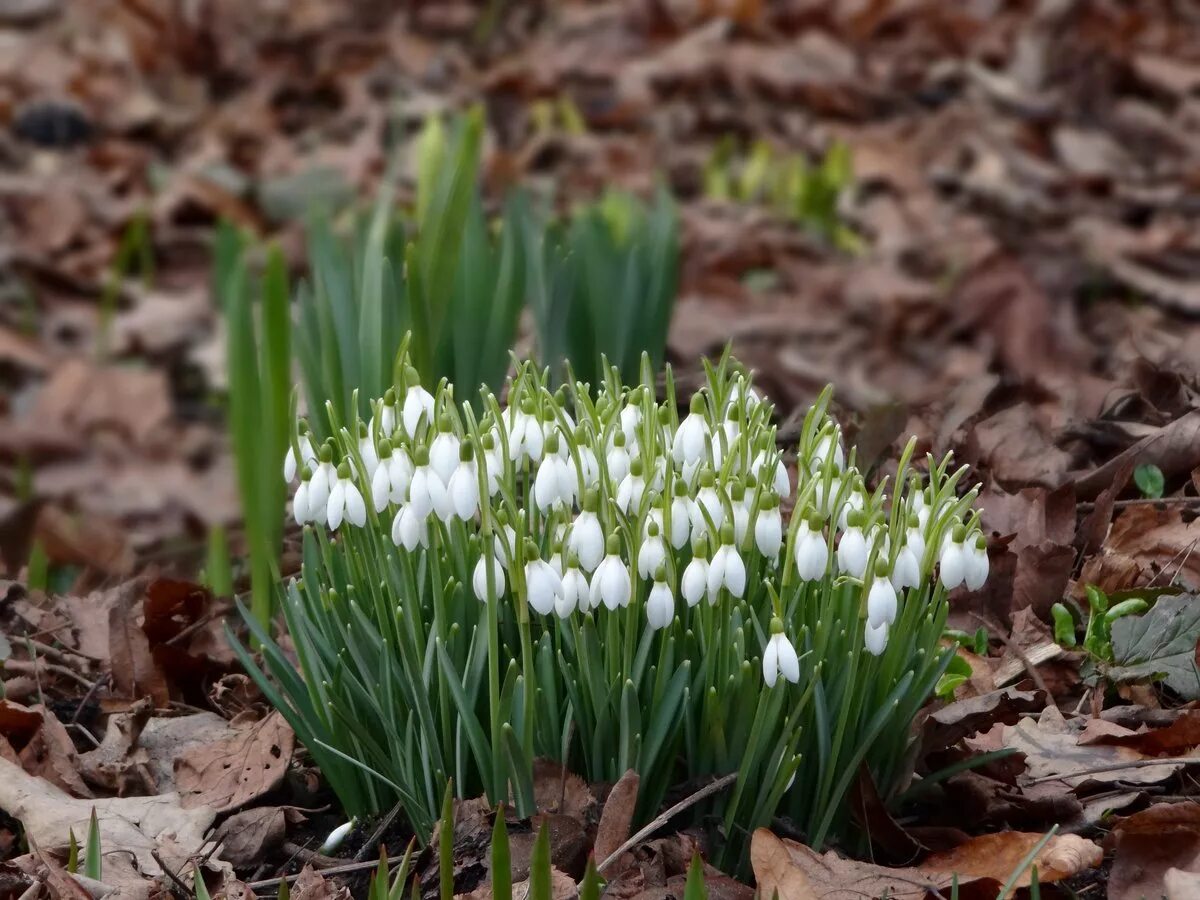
(601, 579)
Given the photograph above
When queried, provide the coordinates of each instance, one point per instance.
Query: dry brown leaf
(137, 825)
(963, 718)
(80, 398)
(1163, 543)
(312, 885)
(51, 754)
(1175, 449)
(617, 816)
(134, 672)
(998, 856)
(228, 774)
(1151, 843)
(247, 837)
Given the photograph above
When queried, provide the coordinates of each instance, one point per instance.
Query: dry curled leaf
(998, 856)
(228, 774)
(617, 817)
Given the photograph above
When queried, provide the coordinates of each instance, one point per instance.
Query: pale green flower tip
(652, 528)
(727, 534)
(660, 574)
(612, 546)
(981, 542)
(385, 448)
(619, 438)
(959, 534)
(389, 397)
(636, 468)
(531, 550)
(343, 470)
(306, 474)
(466, 451)
(776, 625)
(697, 406)
(552, 443)
(420, 455)
(591, 500)
(707, 478)
(881, 568)
(326, 452)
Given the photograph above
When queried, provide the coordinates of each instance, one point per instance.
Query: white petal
(381, 486)
(300, 504)
(335, 508)
(875, 639)
(735, 573)
(771, 662)
(356, 509)
(289, 465)
(953, 566)
(695, 581)
(789, 662)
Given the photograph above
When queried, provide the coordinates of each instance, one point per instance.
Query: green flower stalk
(586, 577)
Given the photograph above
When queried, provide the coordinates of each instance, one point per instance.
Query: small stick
(96, 685)
(187, 892)
(335, 870)
(1117, 767)
(35, 666)
(709, 789)
(377, 835)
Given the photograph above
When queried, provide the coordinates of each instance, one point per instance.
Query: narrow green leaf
(540, 879)
(446, 844)
(93, 860)
(501, 859)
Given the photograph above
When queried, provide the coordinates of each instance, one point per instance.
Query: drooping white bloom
(953, 561)
(409, 529)
(881, 602)
(707, 501)
(652, 553)
(300, 508)
(463, 489)
(660, 605)
(779, 657)
(975, 560)
(381, 484)
(525, 437)
(852, 551)
(426, 492)
(875, 638)
(335, 838)
(576, 594)
(914, 539)
(493, 458)
(811, 551)
(418, 405)
(618, 460)
(681, 517)
(691, 439)
(555, 484)
(543, 586)
(591, 467)
(631, 488)
(505, 543)
(741, 513)
(387, 414)
(366, 449)
(768, 528)
(828, 445)
(768, 466)
(400, 473)
(319, 485)
(726, 569)
(308, 457)
(694, 583)
(906, 572)
(345, 501)
(443, 452)
(586, 539)
(479, 578)
(611, 584)
(855, 502)
(631, 418)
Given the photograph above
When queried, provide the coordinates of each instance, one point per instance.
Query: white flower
(777, 474)
(479, 578)
(618, 461)
(426, 492)
(409, 529)
(915, 540)
(387, 414)
(575, 593)
(707, 501)
(345, 501)
(953, 562)
(591, 467)
(611, 584)
(555, 483)
(300, 509)
(308, 456)
(631, 488)
(906, 572)
(400, 473)
(366, 449)
(543, 586)
(694, 583)
(726, 569)
(505, 543)
(652, 553)
(525, 437)
(779, 658)
(586, 539)
(631, 418)
(768, 530)
(854, 502)
(381, 484)
(681, 518)
(660, 605)
(811, 552)
(443, 453)
(319, 485)
(852, 552)
(875, 639)
(827, 445)
(691, 438)
(976, 564)
(418, 405)
(463, 489)
(881, 602)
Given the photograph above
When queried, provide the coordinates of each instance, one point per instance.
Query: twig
(377, 835)
(61, 654)
(33, 666)
(187, 892)
(313, 857)
(708, 790)
(335, 870)
(1088, 505)
(1117, 767)
(96, 685)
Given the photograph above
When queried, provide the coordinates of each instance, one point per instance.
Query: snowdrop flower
(726, 569)
(308, 455)
(826, 495)
(975, 563)
(418, 403)
(381, 481)
(587, 459)
(768, 527)
(694, 584)
(631, 488)
(543, 586)
(906, 571)
(345, 501)
(426, 492)
(387, 414)
(707, 506)
(652, 553)
(881, 598)
(741, 513)
(828, 446)
(336, 837)
(660, 605)
(691, 438)
(409, 529)
(875, 638)
(953, 560)
(575, 590)
(322, 480)
(525, 438)
(479, 578)
(493, 460)
(915, 539)
(611, 585)
(617, 462)
(366, 450)
(779, 657)
(852, 548)
(505, 541)
(811, 551)
(855, 502)
(400, 473)
(443, 452)
(681, 516)
(586, 539)
(555, 482)
(631, 416)
(770, 466)
(463, 489)
(300, 507)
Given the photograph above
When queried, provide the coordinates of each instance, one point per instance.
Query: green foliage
(446, 844)
(1149, 479)
(72, 852)
(788, 184)
(93, 857)
(385, 886)
(258, 320)
(694, 888)
(218, 569)
(1097, 639)
(134, 252)
(606, 287)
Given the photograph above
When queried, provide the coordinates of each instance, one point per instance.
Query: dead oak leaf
(228, 774)
(247, 837)
(1151, 843)
(997, 856)
(312, 885)
(617, 816)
